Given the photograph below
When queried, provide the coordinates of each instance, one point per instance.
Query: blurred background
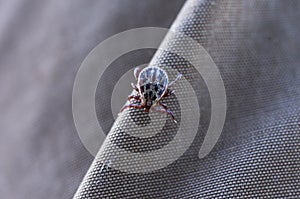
(42, 44)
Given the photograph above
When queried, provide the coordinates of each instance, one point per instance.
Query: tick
(152, 86)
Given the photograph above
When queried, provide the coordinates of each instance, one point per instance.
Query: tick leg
(136, 97)
(136, 72)
(171, 92)
(173, 82)
(163, 105)
(168, 93)
(134, 87)
(165, 111)
(136, 106)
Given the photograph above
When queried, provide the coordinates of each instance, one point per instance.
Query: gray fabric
(255, 44)
(42, 44)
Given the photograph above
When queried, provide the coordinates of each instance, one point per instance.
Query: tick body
(152, 86)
